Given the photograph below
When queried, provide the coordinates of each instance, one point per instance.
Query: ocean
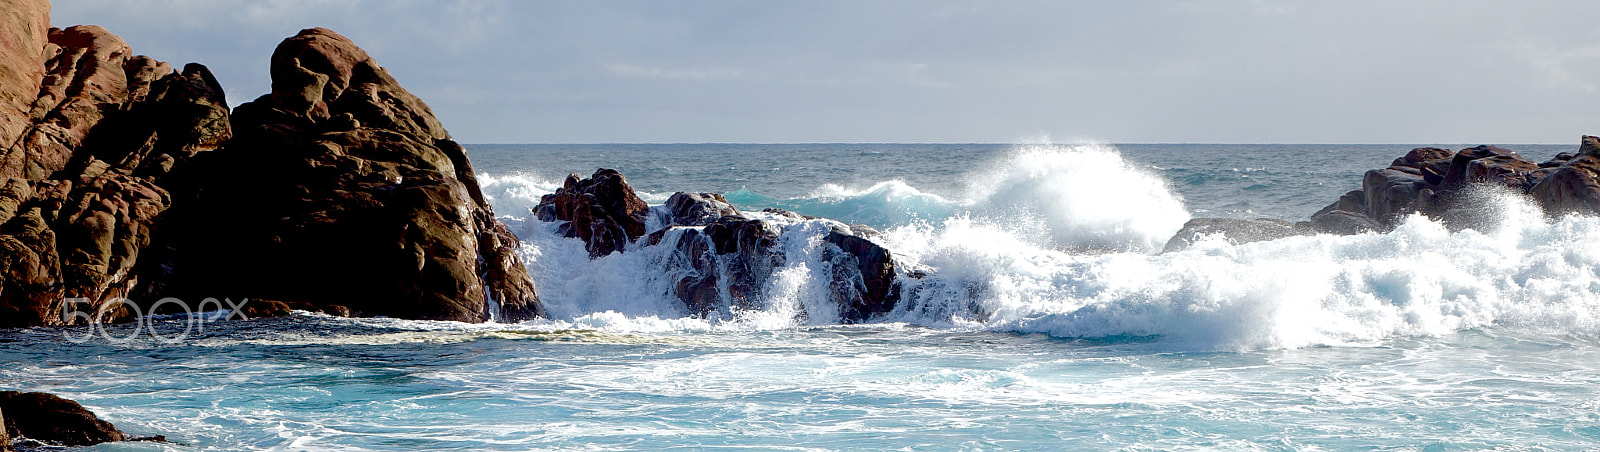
(1044, 317)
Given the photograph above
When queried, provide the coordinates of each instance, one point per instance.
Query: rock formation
(82, 168)
(53, 420)
(341, 190)
(121, 178)
(721, 258)
(1437, 182)
(602, 210)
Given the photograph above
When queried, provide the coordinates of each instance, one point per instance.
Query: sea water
(1044, 318)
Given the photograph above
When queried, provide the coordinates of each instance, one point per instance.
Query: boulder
(1235, 231)
(340, 190)
(603, 210)
(54, 420)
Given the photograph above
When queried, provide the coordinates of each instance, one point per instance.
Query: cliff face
(122, 178)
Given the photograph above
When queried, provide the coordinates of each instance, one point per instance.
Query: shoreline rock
(339, 191)
(53, 420)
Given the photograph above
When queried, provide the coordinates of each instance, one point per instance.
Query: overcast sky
(931, 71)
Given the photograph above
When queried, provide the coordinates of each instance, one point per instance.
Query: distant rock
(344, 192)
(1436, 182)
(53, 420)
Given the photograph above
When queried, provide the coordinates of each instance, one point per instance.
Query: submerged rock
(53, 420)
(1235, 231)
(341, 190)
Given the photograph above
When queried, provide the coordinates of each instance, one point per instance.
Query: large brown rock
(340, 188)
(54, 420)
(81, 183)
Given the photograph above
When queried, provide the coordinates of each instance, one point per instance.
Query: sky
(937, 71)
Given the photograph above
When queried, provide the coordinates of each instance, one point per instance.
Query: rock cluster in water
(1448, 186)
(722, 258)
(121, 178)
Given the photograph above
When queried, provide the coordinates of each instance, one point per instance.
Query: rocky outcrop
(1431, 181)
(1234, 231)
(81, 182)
(53, 420)
(721, 259)
(340, 190)
(602, 210)
(1440, 184)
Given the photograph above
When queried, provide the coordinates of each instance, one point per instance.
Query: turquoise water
(1046, 322)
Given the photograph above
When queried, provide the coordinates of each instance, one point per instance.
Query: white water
(1060, 240)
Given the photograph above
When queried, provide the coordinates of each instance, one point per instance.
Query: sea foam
(1061, 240)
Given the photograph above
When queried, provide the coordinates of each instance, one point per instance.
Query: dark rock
(1235, 231)
(603, 210)
(1574, 187)
(867, 288)
(340, 189)
(1438, 183)
(54, 420)
(727, 263)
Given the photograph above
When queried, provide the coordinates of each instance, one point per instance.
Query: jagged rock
(869, 288)
(1235, 231)
(340, 189)
(54, 420)
(723, 259)
(697, 209)
(603, 210)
